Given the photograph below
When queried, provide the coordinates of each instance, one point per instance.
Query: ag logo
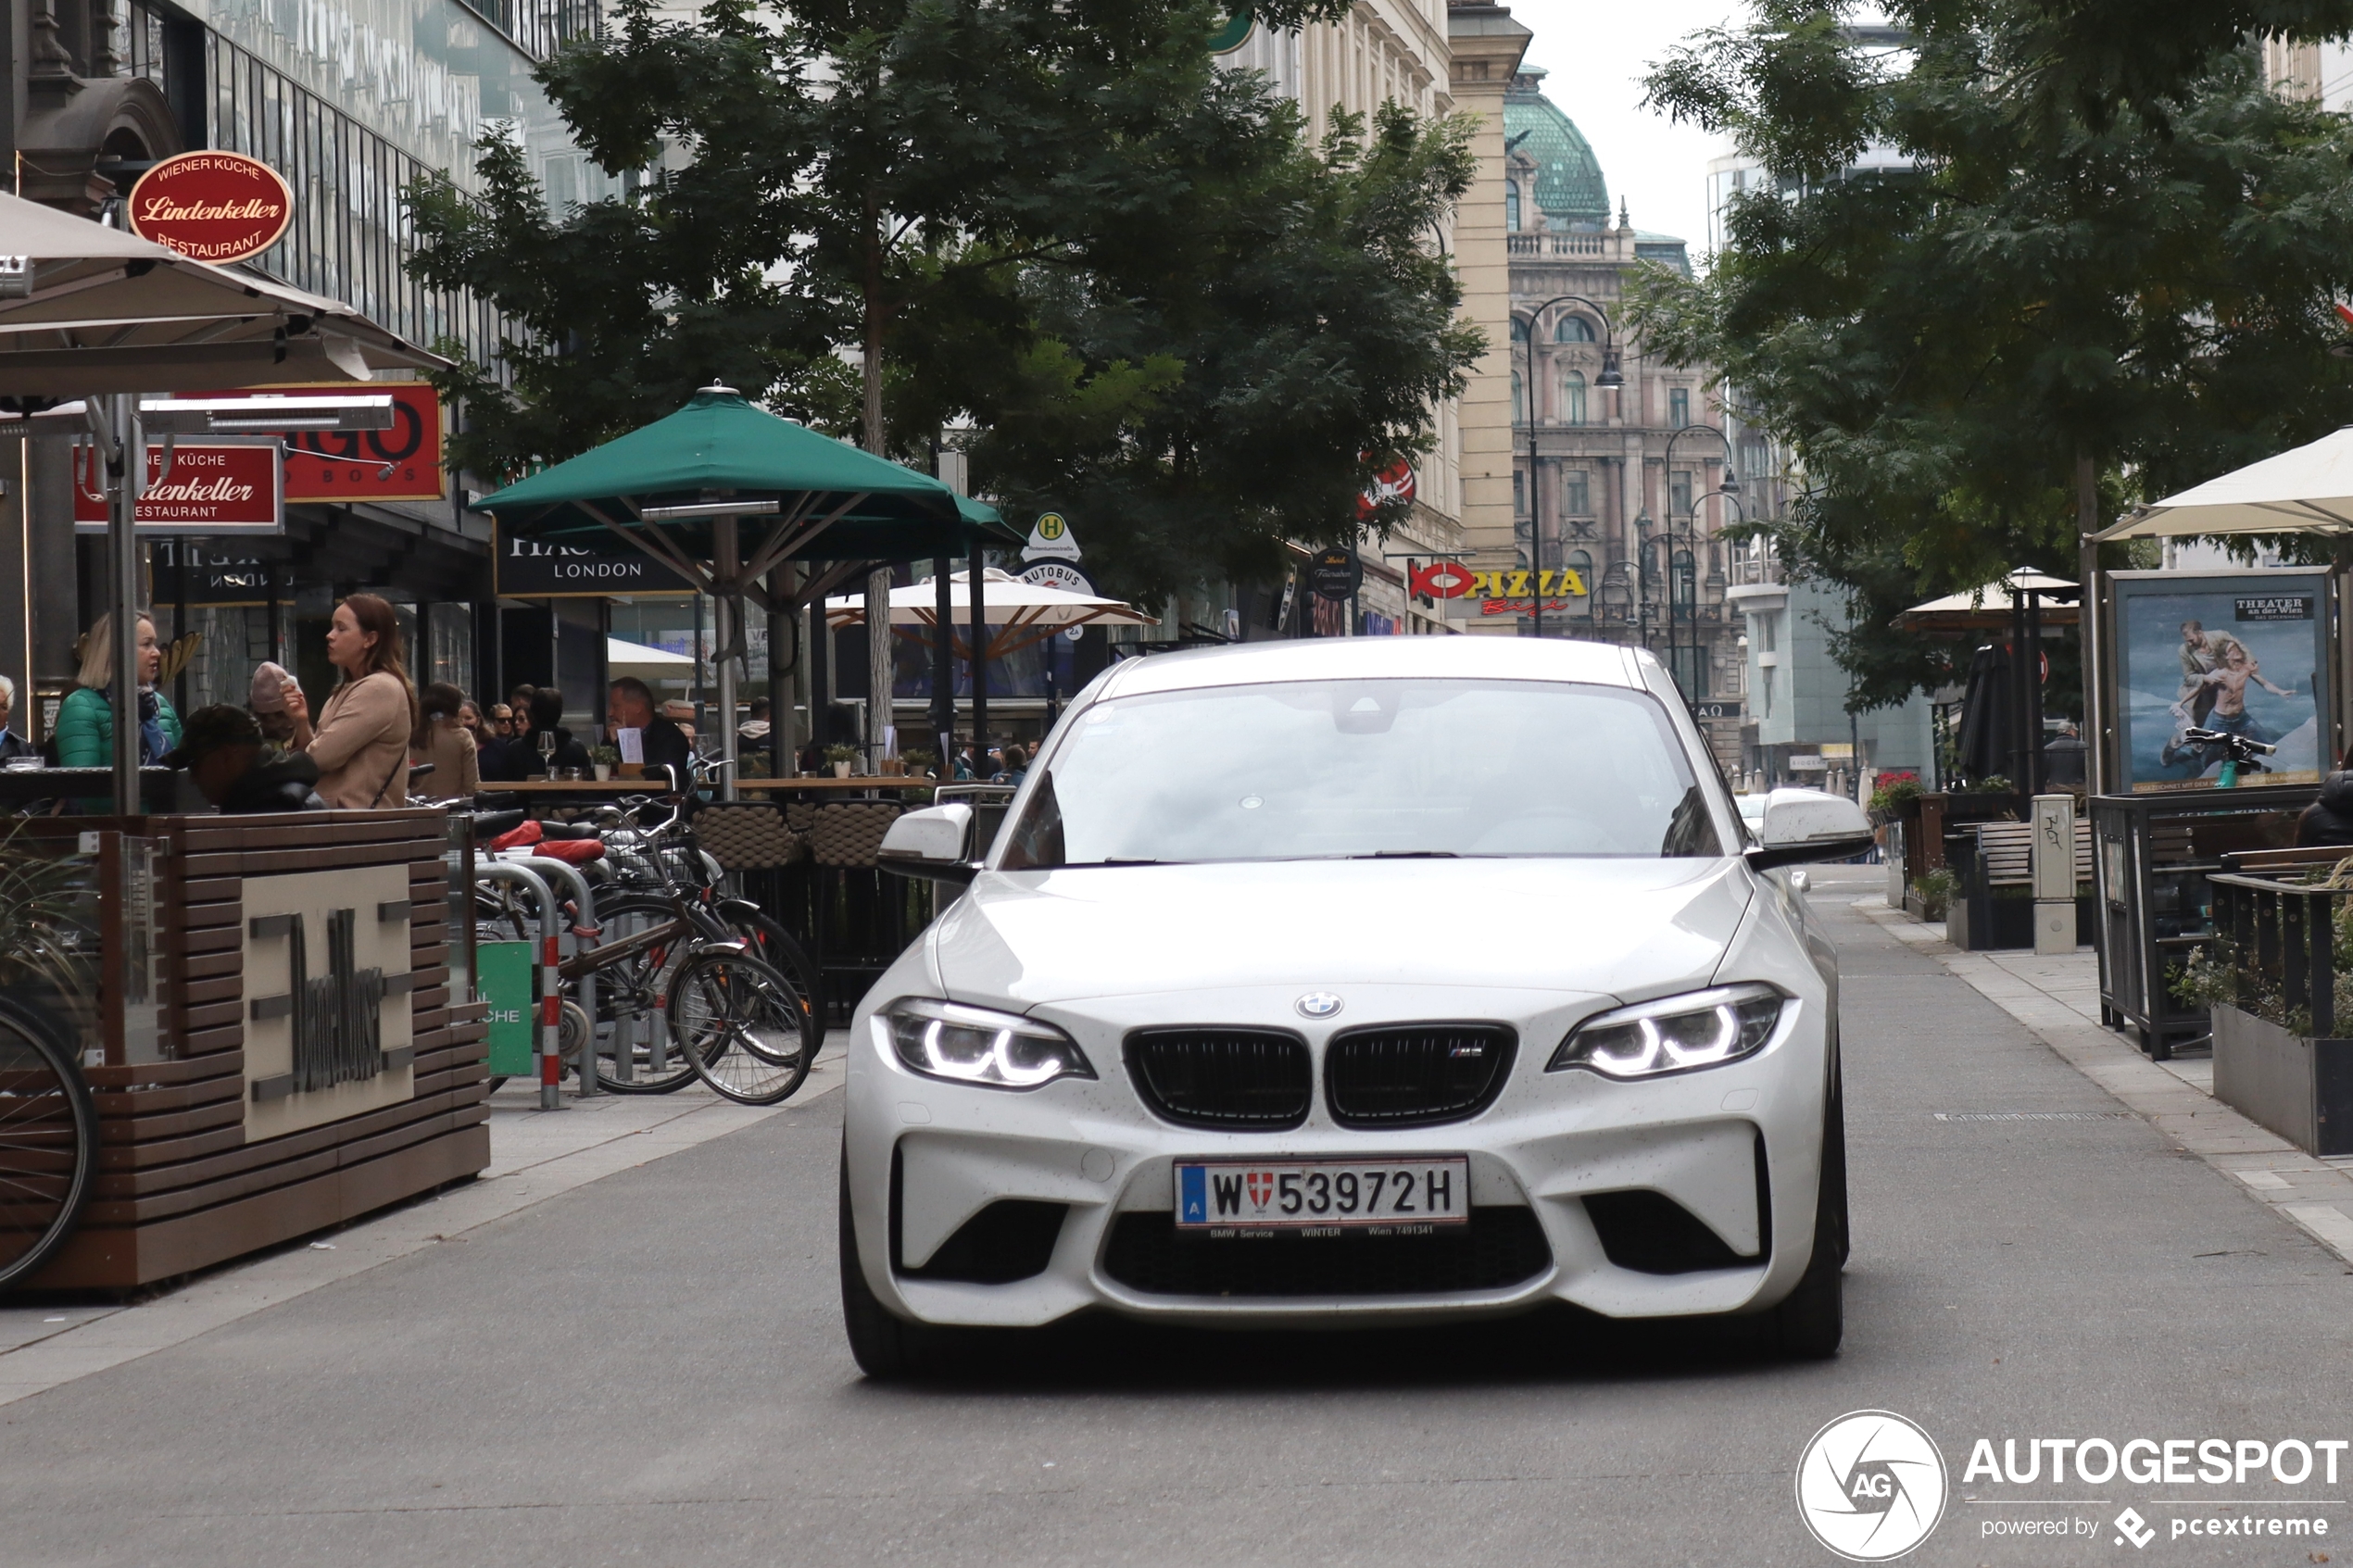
(1870, 1485)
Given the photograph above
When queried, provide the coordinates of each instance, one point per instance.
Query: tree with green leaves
(2099, 266)
(1055, 221)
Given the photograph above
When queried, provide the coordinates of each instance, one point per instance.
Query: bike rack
(551, 996)
(582, 929)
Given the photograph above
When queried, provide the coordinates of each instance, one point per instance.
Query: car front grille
(1235, 1080)
(1415, 1075)
(1501, 1246)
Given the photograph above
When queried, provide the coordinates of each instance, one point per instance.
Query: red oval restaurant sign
(212, 206)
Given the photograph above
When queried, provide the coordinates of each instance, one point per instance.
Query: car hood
(1628, 928)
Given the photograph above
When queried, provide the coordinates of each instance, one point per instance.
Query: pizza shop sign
(1505, 591)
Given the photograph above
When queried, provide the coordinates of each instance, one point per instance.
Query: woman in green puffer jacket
(86, 720)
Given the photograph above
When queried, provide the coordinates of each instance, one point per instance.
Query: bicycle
(2238, 752)
(669, 910)
(48, 1140)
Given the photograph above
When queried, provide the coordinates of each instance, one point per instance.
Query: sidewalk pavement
(535, 1156)
(2057, 998)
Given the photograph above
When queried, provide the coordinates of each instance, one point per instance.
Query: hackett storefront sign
(211, 205)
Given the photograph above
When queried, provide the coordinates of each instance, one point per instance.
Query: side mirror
(934, 842)
(1807, 825)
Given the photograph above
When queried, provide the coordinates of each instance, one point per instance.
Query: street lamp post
(1730, 488)
(1609, 381)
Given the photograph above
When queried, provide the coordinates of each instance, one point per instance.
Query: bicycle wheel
(774, 945)
(739, 1023)
(637, 1053)
(48, 1141)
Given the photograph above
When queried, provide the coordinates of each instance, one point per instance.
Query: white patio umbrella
(1989, 606)
(109, 312)
(1026, 613)
(2305, 489)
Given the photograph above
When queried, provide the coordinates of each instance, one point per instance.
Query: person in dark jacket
(547, 718)
(2329, 820)
(224, 754)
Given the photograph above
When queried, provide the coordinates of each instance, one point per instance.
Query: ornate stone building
(1620, 463)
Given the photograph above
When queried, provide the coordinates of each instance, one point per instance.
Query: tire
(887, 1348)
(774, 946)
(48, 1141)
(740, 1024)
(629, 1007)
(1809, 1324)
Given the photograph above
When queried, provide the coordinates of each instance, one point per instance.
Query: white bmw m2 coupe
(1354, 981)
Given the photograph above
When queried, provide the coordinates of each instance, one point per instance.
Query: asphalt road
(651, 1370)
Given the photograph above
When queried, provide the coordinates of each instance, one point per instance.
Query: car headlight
(1674, 1034)
(969, 1045)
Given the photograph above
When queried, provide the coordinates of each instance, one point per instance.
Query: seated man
(631, 707)
(221, 748)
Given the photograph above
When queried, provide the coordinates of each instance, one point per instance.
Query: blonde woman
(86, 720)
(361, 740)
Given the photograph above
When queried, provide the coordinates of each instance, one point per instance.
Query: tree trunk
(873, 370)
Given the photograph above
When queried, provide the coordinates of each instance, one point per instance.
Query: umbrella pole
(726, 611)
(943, 665)
(976, 568)
(126, 473)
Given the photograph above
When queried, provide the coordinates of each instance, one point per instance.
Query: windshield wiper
(1406, 855)
(1117, 862)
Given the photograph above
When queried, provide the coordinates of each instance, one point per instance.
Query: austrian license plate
(1237, 1197)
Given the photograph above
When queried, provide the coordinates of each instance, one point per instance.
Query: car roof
(1390, 657)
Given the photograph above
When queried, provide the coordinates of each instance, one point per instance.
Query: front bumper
(924, 1157)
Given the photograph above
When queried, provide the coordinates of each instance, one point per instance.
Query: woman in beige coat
(361, 739)
(442, 740)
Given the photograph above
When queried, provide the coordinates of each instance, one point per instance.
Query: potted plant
(605, 759)
(1888, 797)
(842, 758)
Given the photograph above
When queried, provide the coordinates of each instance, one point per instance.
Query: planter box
(1979, 922)
(2300, 1088)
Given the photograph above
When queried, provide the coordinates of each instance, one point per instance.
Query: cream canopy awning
(1024, 612)
(1989, 608)
(2305, 489)
(110, 312)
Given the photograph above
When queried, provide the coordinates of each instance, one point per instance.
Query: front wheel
(48, 1142)
(885, 1347)
(1810, 1324)
(740, 1022)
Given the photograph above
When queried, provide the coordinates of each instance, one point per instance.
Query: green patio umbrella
(723, 493)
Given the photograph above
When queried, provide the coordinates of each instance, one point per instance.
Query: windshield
(1363, 769)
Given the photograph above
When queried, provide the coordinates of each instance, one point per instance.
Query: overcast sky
(1597, 52)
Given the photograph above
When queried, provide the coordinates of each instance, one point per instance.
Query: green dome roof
(1569, 188)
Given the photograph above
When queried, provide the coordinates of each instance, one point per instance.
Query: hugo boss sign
(211, 205)
(399, 463)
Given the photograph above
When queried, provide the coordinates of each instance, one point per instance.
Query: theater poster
(2242, 653)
